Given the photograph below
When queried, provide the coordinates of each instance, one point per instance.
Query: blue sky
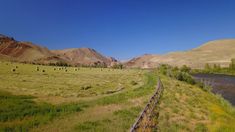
(119, 28)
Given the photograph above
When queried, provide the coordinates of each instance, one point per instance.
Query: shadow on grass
(20, 112)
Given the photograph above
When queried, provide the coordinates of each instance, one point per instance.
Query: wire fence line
(147, 121)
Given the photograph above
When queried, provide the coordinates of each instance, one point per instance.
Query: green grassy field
(97, 100)
(71, 99)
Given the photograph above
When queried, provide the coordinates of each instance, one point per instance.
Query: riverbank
(186, 107)
(221, 84)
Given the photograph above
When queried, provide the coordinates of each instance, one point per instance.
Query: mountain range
(27, 52)
(213, 52)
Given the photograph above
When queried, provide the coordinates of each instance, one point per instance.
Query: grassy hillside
(213, 52)
(84, 99)
(186, 107)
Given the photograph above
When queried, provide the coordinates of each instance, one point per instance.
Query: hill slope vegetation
(214, 52)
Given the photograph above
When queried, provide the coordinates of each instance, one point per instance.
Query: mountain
(22, 51)
(13, 50)
(141, 62)
(83, 56)
(214, 52)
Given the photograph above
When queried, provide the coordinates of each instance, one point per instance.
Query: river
(221, 84)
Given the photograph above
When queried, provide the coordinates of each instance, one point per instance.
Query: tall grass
(20, 113)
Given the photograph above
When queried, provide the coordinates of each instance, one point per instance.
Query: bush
(117, 66)
(186, 69)
(61, 64)
(181, 74)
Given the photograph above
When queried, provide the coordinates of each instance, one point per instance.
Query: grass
(186, 107)
(20, 113)
(55, 100)
(59, 86)
(95, 100)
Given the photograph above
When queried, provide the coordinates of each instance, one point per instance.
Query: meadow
(48, 98)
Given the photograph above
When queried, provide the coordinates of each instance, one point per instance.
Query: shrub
(43, 70)
(61, 64)
(117, 66)
(184, 68)
(13, 70)
(181, 74)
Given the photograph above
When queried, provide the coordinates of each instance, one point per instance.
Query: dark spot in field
(86, 87)
(134, 83)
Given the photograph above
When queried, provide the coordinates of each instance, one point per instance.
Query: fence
(147, 119)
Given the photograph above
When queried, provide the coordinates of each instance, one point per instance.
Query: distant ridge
(85, 56)
(13, 50)
(213, 52)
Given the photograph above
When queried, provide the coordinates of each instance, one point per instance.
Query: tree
(232, 64)
(184, 68)
(216, 67)
(117, 66)
(207, 67)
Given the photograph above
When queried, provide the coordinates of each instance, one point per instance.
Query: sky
(119, 28)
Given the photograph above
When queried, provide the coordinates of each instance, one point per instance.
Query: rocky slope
(13, 50)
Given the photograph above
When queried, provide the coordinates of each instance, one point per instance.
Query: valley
(102, 99)
(117, 66)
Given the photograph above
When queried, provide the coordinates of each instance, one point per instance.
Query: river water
(221, 84)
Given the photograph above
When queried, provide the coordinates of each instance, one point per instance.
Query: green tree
(216, 68)
(232, 64)
(117, 66)
(184, 68)
(207, 67)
